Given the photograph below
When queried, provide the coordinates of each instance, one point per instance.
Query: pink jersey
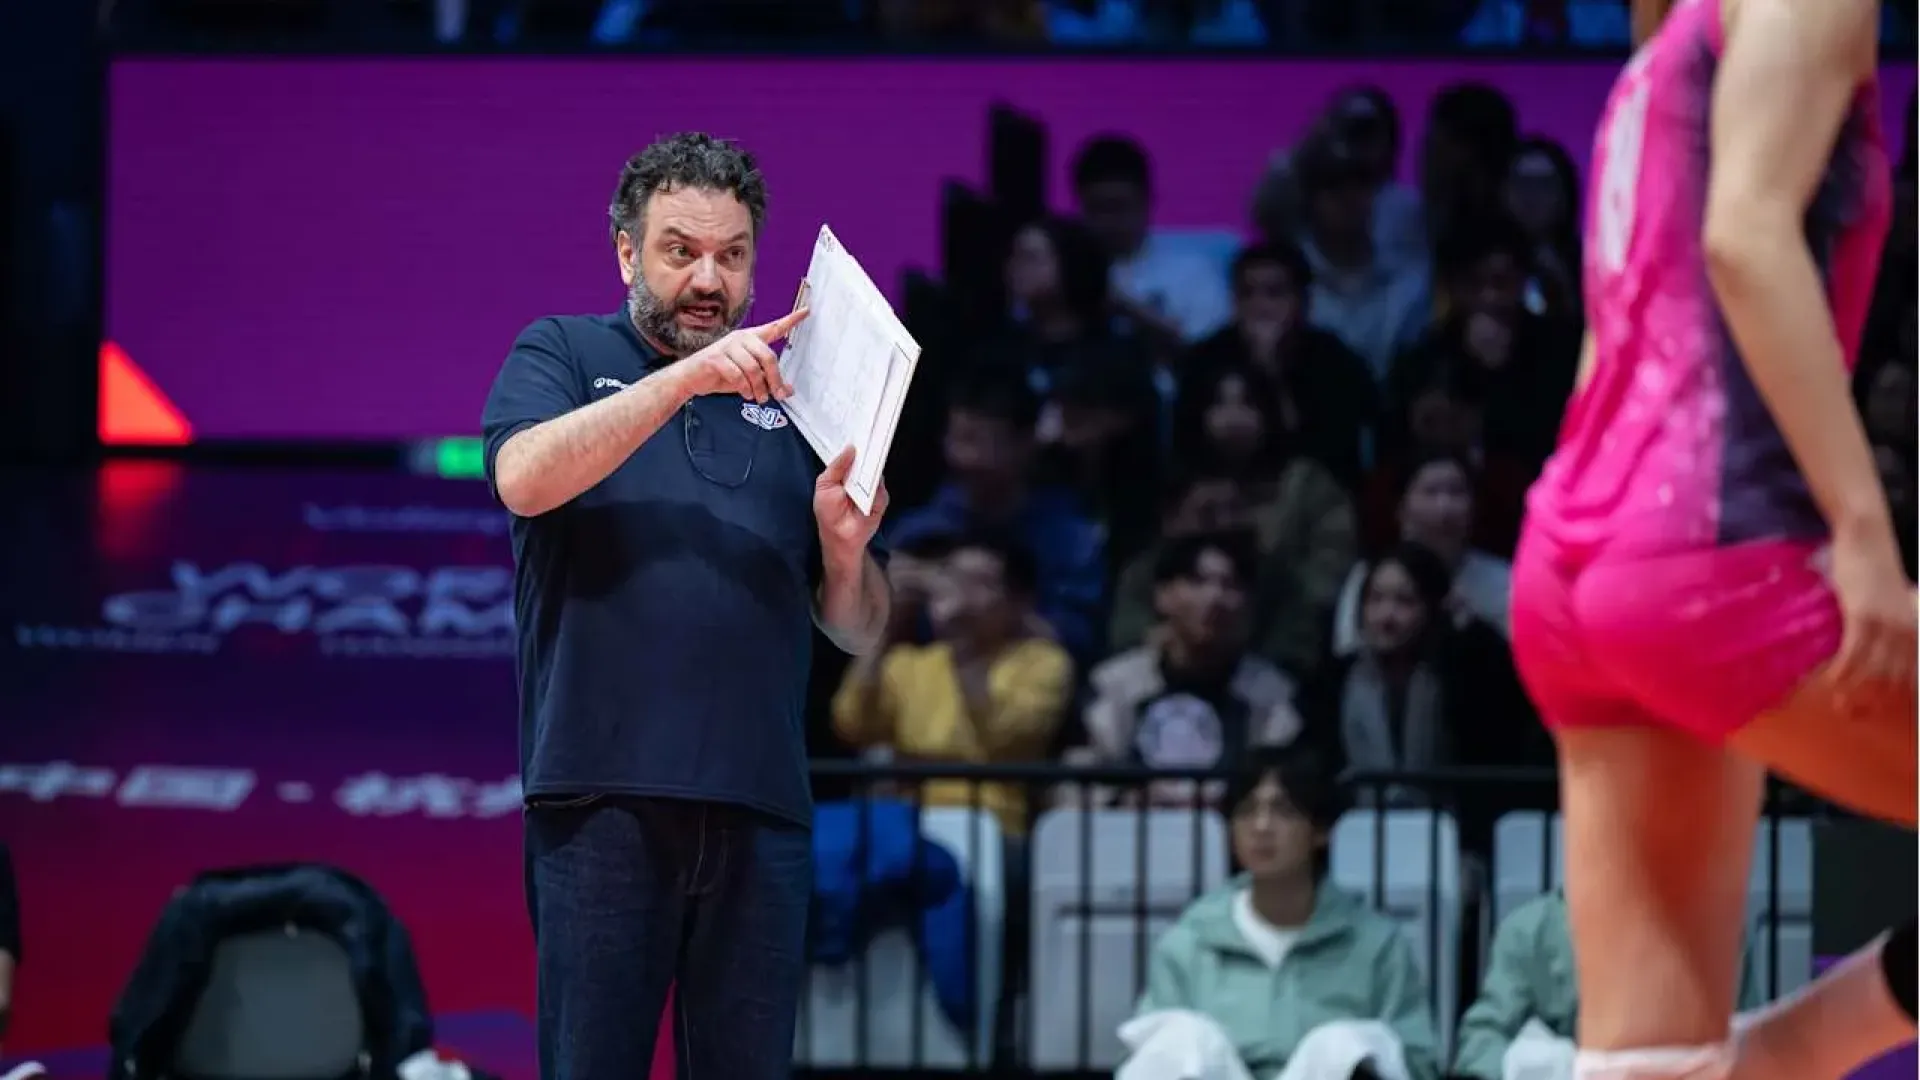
(1669, 447)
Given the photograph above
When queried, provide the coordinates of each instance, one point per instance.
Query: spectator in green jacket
(1529, 976)
(1279, 951)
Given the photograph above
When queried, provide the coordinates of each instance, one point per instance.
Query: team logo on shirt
(764, 416)
(605, 383)
(1180, 731)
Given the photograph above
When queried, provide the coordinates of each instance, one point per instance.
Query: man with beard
(673, 538)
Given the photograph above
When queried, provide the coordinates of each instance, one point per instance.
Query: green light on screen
(460, 459)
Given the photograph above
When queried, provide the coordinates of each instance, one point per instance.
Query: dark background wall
(50, 139)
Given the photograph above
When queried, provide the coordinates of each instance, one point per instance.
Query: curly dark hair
(690, 159)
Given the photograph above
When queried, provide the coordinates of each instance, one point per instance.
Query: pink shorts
(1701, 640)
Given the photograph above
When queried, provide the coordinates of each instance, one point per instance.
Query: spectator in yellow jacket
(992, 687)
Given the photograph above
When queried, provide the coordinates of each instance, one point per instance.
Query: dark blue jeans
(632, 896)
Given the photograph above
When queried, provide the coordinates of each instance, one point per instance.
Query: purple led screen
(1895, 1064)
(343, 249)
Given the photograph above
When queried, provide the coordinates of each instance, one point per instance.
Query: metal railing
(1064, 899)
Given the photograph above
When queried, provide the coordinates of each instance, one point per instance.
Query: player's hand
(1879, 616)
(842, 526)
(743, 362)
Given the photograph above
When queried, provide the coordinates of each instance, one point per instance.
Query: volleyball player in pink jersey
(1707, 584)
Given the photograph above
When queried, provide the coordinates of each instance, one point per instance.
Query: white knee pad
(1655, 1063)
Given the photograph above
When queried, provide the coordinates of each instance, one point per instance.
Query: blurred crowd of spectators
(1256, 514)
(1188, 506)
(1282, 974)
(1287, 24)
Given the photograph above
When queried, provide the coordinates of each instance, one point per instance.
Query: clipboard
(850, 364)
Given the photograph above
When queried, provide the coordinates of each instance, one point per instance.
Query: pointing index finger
(781, 327)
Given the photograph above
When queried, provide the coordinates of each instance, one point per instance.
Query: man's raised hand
(744, 362)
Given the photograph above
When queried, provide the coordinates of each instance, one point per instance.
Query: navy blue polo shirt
(665, 616)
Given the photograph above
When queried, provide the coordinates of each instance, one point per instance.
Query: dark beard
(653, 316)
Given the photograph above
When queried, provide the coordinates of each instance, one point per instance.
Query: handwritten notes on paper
(850, 364)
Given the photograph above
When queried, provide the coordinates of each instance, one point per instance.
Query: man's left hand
(843, 528)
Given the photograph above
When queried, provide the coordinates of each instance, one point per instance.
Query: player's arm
(854, 602)
(544, 449)
(1787, 78)
(549, 464)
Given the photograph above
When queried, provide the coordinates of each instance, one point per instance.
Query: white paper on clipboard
(850, 364)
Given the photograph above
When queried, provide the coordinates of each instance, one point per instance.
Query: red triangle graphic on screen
(133, 411)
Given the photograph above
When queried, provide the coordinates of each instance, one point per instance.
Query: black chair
(278, 1005)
